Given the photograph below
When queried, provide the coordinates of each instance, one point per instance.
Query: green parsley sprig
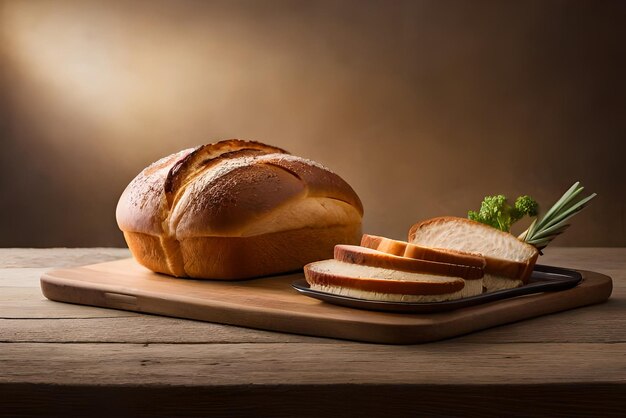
(496, 211)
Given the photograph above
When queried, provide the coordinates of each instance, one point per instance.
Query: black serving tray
(543, 279)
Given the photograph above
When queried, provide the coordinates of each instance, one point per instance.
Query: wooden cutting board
(272, 304)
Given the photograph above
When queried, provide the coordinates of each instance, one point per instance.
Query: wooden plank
(21, 297)
(598, 323)
(339, 363)
(18, 302)
(593, 324)
(341, 400)
(139, 329)
(270, 303)
(21, 277)
(58, 257)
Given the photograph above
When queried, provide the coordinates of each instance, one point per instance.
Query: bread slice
(375, 283)
(354, 254)
(405, 249)
(509, 261)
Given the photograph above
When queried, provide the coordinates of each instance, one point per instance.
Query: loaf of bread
(509, 261)
(236, 209)
(366, 273)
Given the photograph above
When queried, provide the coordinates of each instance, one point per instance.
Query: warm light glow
(138, 78)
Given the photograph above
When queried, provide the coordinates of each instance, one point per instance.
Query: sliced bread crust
(354, 254)
(405, 249)
(374, 283)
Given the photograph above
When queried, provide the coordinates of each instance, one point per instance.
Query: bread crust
(408, 250)
(234, 258)
(315, 277)
(224, 206)
(369, 257)
(192, 205)
(510, 269)
(143, 205)
(205, 155)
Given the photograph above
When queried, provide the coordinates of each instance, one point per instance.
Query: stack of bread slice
(379, 270)
(446, 258)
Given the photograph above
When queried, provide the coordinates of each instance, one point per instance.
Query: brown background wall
(423, 106)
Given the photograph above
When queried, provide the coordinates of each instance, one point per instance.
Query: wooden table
(62, 358)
